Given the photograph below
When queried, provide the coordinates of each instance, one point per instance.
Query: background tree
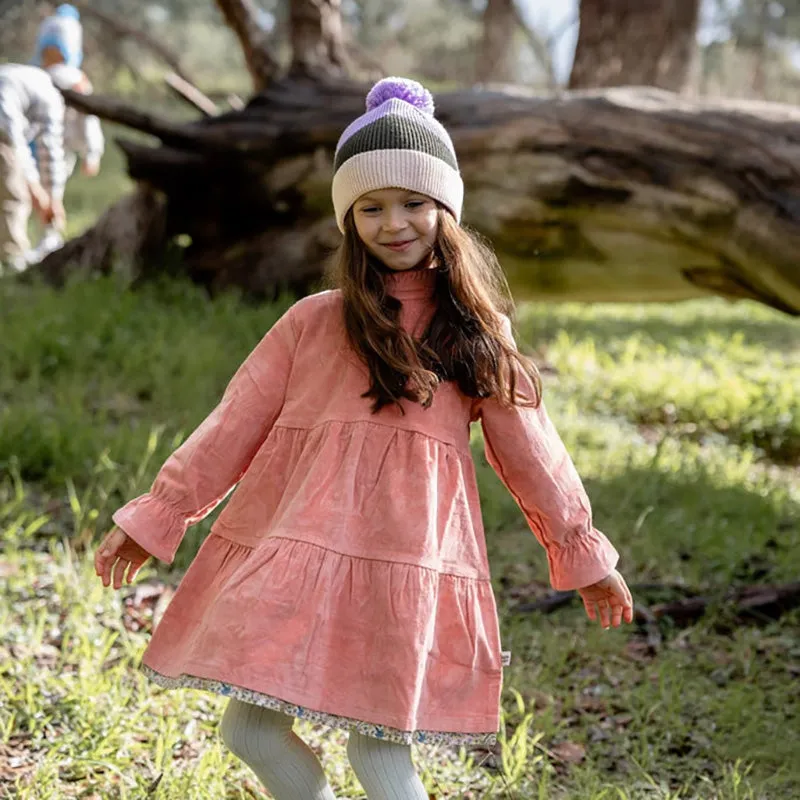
(497, 57)
(755, 51)
(611, 48)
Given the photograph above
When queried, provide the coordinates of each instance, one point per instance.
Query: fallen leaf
(569, 752)
(639, 650)
(590, 704)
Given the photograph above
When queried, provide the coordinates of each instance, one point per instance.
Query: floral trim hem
(331, 720)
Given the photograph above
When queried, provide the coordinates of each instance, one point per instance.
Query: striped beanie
(63, 31)
(397, 144)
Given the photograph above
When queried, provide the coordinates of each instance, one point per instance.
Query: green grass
(693, 367)
(683, 421)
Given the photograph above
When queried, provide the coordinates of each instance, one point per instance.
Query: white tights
(290, 770)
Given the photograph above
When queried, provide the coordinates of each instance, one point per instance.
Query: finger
(628, 613)
(103, 560)
(134, 569)
(119, 572)
(102, 556)
(98, 561)
(105, 575)
(628, 607)
(605, 616)
(616, 614)
(589, 609)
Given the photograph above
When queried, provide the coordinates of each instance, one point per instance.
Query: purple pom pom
(402, 89)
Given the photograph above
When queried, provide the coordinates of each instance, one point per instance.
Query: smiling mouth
(399, 245)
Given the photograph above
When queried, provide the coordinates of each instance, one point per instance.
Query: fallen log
(623, 194)
(757, 603)
(753, 603)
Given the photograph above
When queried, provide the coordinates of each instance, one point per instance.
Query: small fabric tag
(506, 654)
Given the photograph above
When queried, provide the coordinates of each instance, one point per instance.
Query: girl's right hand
(119, 552)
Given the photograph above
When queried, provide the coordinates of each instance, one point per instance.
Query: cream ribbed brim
(399, 169)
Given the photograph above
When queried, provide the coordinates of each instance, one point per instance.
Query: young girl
(346, 581)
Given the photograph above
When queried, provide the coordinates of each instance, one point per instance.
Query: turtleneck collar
(411, 284)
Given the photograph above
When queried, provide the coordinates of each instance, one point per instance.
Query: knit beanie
(63, 31)
(397, 144)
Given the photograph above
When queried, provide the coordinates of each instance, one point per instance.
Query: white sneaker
(51, 240)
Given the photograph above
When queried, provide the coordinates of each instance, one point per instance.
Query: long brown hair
(465, 341)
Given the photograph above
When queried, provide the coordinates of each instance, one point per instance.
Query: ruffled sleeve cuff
(152, 524)
(582, 561)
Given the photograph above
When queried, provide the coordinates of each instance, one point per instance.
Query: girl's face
(397, 226)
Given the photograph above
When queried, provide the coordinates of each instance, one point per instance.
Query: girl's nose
(394, 220)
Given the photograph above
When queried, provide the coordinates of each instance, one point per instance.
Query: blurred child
(31, 110)
(59, 50)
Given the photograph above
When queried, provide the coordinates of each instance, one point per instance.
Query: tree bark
(495, 62)
(317, 38)
(642, 43)
(190, 94)
(620, 195)
(241, 16)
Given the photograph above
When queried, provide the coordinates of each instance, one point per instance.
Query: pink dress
(346, 580)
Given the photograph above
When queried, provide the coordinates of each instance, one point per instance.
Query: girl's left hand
(611, 598)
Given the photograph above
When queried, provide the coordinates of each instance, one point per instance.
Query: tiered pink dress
(346, 581)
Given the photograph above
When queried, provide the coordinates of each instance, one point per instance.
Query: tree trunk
(615, 195)
(495, 56)
(241, 16)
(642, 43)
(317, 37)
(761, 52)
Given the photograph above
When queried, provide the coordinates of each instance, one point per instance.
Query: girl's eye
(415, 203)
(369, 210)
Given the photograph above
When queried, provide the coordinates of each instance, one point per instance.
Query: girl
(346, 581)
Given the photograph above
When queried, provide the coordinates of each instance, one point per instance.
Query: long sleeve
(13, 124)
(525, 450)
(95, 141)
(31, 108)
(84, 135)
(204, 469)
(50, 144)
